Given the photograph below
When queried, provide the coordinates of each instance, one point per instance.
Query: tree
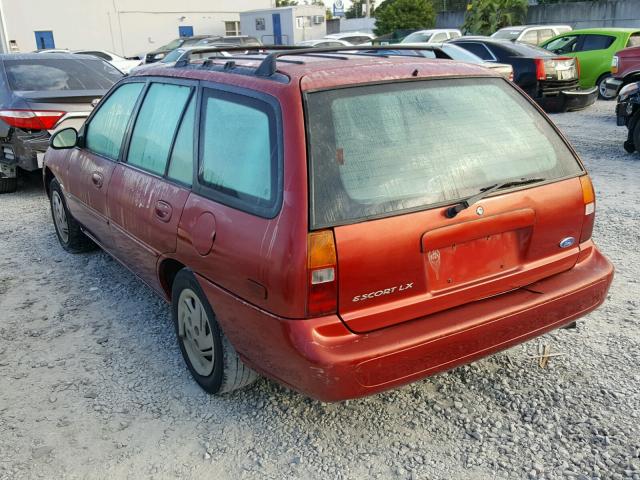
(286, 3)
(484, 17)
(358, 8)
(394, 15)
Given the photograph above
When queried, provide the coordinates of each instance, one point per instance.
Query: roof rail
(183, 62)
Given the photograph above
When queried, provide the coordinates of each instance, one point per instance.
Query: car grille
(553, 87)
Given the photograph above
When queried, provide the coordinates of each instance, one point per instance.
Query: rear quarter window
(381, 150)
(596, 42)
(634, 40)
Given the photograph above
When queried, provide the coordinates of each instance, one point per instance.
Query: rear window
(380, 150)
(60, 74)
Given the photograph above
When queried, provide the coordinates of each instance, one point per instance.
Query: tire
(8, 185)
(210, 357)
(602, 90)
(68, 230)
(636, 135)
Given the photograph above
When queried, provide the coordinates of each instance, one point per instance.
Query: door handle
(163, 211)
(97, 179)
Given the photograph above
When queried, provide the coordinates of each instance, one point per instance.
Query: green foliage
(484, 17)
(286, 3)
(358, 7)
(394, 15)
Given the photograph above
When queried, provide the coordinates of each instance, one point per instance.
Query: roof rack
(274, 53)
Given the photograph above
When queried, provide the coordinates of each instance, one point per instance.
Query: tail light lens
(31, 119)
(541, 74)
(321, 273)
(614, 64)
(589, 198)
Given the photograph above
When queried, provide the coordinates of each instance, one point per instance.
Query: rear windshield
(524, 50)
(507, 34)
(380, 150)
(60, 74)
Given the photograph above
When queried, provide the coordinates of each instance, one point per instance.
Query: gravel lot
(92, 384)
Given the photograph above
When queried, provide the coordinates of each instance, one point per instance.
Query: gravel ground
(92, 384)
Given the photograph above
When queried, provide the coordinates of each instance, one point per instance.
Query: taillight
(589, 199)
(321, 273)
(541, 74)
(614, 64)
(31, 119)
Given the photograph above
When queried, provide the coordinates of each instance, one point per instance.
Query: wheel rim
(60, 217)
(195, 332)
(603, 90)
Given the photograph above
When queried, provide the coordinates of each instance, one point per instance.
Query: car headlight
(628, 90)
(158, 56)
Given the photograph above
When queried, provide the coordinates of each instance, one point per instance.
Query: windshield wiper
(466, 203)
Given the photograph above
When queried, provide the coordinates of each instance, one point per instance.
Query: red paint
(628, 64)
(442, 281)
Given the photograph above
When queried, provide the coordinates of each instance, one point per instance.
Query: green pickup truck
(594, 48)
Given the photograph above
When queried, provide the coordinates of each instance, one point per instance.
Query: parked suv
(342, 241)
(40, 94)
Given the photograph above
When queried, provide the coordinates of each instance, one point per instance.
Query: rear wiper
(466, 203)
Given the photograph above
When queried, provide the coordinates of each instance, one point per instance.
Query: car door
(92, 164)
(594, 52)
(150, 186)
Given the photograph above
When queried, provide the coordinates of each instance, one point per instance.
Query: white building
(126, 27)
(284, 25)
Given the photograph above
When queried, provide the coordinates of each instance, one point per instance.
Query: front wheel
(210, 357)
(602, 88)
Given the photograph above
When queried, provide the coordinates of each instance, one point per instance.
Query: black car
(628, 114)
(159, 53)
(552, 81)
(40, 94)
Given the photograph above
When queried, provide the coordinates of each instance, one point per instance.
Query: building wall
(127, 27)
(617, 13)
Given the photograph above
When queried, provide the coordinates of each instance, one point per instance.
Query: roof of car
(39, 56)
(602, 30)
(320, 72)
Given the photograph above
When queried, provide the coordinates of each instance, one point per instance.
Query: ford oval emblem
(567, 242)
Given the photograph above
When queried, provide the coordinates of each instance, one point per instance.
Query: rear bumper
(323, 359)
(24, 148)
(568, 100)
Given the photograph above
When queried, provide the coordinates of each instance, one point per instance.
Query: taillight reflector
(31, 119)
(321, 268)
(589, 199)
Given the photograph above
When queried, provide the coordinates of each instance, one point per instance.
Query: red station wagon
(340, 223)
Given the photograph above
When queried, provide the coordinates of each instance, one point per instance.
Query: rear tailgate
(388, 160)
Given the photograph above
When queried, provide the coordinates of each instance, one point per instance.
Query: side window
(530, 37)
(181, 162)
(439, 37)
(105, 132)
(454, 34)
(634, 40)
(477, 48)
(566, 44)
(156, 125)
(239, 149)
(596, 42)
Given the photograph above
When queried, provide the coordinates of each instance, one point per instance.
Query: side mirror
(65, 138)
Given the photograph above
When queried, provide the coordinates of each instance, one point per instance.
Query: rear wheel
(636, 135)
(68, 230)
(8, 185)
(602, 89)
(210, 357)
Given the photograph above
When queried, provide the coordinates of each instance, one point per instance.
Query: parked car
(531, 34)
(121, 63)
(625, 69)
(180, 53)
(551, 80)
(446, 51)
(40, 94)
(159, 53)
(358, 238)
(323, 42)
(628, 114)
(436, 35)
(239, 40)
(354, 38)
(594, 49)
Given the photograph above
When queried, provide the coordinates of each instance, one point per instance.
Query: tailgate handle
(472, 230)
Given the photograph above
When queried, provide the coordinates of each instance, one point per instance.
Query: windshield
(382, 149)
(173, 45)
(507, 34)
(60, 74)
(173, 56)
(417, 37)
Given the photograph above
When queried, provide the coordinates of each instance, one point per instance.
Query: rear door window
(156, 126)
(634, 40)
(379, 150)
(439, 37)
(105, 131)
(595, 42)
(239, 150)
(48, 74)
(544, 34)
(530, 36)
(181, 162)
(478, 49)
